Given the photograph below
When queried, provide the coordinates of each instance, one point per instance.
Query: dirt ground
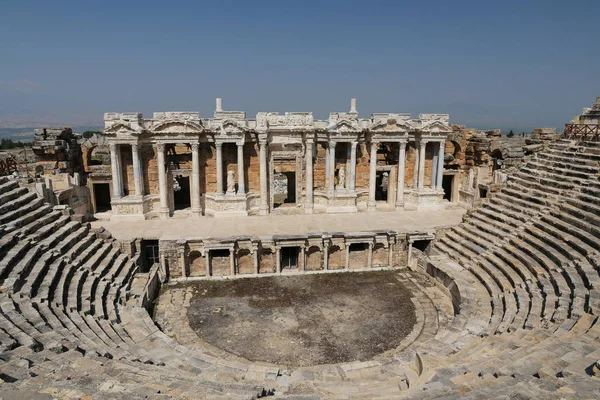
(304, 320)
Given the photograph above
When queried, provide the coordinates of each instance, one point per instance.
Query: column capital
(113, 147)
(195, 146)
(218, 145)
(332, 143)
(354, 144)
(160, 147)
(135, 146)
(239, 144)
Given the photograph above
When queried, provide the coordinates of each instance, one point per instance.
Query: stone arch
(267, 260)
(314, 258)
(380, 255)
(196, 264)
(245, 262)
(336, 257)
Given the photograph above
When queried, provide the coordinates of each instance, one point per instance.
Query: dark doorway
(289, 257)
(150, 255)
(422, 245)
(181, 192)
(102, 197)
(285, 188)
(447, 186)
(381, 186)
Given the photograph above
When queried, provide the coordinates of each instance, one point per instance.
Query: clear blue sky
(506, 64)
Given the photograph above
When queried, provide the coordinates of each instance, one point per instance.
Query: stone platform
(206, 227)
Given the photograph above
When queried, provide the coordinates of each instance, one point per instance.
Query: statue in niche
(230, 182)
(341, 179)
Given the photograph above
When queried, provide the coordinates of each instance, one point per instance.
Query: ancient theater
(380, 256)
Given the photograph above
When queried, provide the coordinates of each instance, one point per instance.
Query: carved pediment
(288, 121)
(391, 124)
(121, 128)
(435, 126)
(177, 126)
(229, 126)
(344, 125)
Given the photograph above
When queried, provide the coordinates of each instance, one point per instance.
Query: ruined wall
(252, 167)
(245, 262)
(362, 166)
(314, 258)
(319, 171)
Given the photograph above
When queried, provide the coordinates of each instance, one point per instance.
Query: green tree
(510, 134)
(89, 134)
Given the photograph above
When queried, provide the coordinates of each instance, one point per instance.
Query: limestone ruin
(505, 302)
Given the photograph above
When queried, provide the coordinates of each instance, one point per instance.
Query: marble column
(264, 201)
(138, 178)
(440, 168)
(401, 167)
(332, 166)
(416, 167)
(232, 260)
(240, 168)
(308, 205)
(207, 262)
(278, 259)
(371, 204)
(352, 185)
(195, 186)
(219, 148)
(390, 255)
(370, 256)
(255, 254)
(326, 256)
(162, 180)
(422, 146)
(302, 259)
(347, 265)
(115, 167)
(182, 262)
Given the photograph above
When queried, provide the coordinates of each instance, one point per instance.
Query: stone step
(32, 281)
(559, 170)
(29, 207)
(11, 194)
(21, 269)
(8, 185)
(25, 199)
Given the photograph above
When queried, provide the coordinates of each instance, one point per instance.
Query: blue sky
(507, 64)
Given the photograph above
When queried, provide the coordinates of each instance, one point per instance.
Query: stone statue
(230, 181)
(341, 179)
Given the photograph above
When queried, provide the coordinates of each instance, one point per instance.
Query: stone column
(416, 167)
(371, 204)
(390, 255)
(115, 167)
(278, 259)
(162, 181)
(326, 256)
(138, 178)
(370, 256)
(195, 187)
(255, 253)
(440, 168)
(264, 201)
(401, 167)
(422, 146)
(308, 206)
(219, 147)
(232, 260)
(347, 266)
(302, 257)
(240, 168)
(208, 263)
(352, 185)
(332, 166)
(181, 252)
(409, 252)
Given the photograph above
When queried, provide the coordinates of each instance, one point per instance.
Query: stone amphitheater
(506, 305)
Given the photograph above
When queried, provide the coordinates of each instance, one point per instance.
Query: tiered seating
(521, 271)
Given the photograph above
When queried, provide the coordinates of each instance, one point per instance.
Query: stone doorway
(102, 197)
(289, 258)
(284, 189)
(447, 182)
(150, 254)
(383, 186)
(181, 192)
